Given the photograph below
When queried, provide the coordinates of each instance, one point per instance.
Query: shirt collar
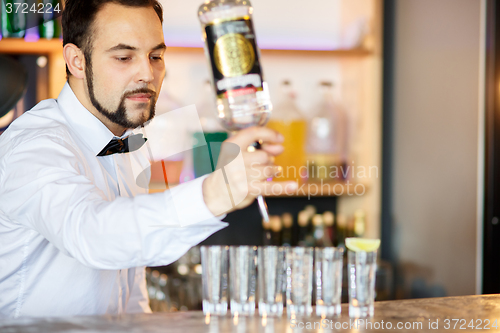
(84, 124)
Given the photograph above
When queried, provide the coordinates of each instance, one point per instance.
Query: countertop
(447, 314)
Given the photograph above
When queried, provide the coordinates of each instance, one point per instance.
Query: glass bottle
(241, 92)
(359, 223)
(13, 18)
(49, 26)
(327, 138)
(205, 157)
(287, 232)
(289, 121)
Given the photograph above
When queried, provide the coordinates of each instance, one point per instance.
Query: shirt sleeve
(43, 186)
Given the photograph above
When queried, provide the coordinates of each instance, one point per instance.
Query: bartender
(76, 231)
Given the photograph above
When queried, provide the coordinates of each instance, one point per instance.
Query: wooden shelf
(360, 52)
(20, 46)
(52, 48)
(310, 189)
(45, 46)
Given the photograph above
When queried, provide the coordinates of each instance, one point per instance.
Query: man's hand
(241, 173)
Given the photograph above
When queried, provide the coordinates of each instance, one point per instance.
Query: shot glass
(214, 263)
(272, 280)
(243, 279)
(299, 278)
(362, 267)
(328, 277)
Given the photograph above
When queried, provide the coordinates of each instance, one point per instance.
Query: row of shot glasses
(284, 275)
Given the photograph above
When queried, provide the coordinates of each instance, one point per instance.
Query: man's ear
(75, 60)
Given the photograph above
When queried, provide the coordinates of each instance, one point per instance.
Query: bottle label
(234, 57)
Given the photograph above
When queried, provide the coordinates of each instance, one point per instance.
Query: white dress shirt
(75, 229)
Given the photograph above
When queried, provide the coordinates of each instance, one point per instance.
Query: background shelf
(44, 46)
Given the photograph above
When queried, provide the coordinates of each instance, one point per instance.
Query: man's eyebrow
(160, 46)
(121, 47)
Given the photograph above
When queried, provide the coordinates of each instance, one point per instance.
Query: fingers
(246, 137)
(272, 149)
(272, 188)
(258, 156)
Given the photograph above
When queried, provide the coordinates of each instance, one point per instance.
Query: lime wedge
(362, 244)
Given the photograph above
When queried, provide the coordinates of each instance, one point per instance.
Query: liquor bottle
(341, 230)
(286, 234)
(328, 220)
(318, 231)
(327, 137)
(302, 221)
(359, 223)
(349, 230)
(310, 211)
(288, 120)
(13, 18)
(276, 228)
(266, 234)
(49, 26)
(241, 92)
(205, 156)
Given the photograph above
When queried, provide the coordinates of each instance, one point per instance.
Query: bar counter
(447, 314)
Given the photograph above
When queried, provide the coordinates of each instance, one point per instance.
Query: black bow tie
(123, 145)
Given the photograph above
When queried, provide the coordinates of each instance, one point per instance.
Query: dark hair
(78, 17)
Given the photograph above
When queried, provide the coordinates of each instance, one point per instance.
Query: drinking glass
(242, 269)
(214, 263)
(361, 267)
(271, 267)
(328, 277)
(299, 278)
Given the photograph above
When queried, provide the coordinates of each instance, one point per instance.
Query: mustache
(140, 91)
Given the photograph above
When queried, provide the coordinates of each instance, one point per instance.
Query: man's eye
(157, 58)
(122, 59)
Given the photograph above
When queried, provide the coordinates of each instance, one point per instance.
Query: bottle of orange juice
(289, 121)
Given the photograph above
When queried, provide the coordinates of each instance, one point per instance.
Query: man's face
(126, 70)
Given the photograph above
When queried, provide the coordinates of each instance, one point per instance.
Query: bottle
(49, 26)
(276, 228)
(302, 221)
(318, 230)
(310, 211)
(13, 18)
(341, 230)
(328, 220)
(266, 233)
(205, 156)
(359, 223)
(327, 138)
(288, 120)
(286, 234)
(241, 92)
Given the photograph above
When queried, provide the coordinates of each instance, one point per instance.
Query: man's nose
(145, 71)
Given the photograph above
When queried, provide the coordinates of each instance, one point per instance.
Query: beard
(118, 116)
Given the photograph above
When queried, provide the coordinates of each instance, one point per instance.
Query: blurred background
(398, 97)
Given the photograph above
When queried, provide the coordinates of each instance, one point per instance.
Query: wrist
(215, 194)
